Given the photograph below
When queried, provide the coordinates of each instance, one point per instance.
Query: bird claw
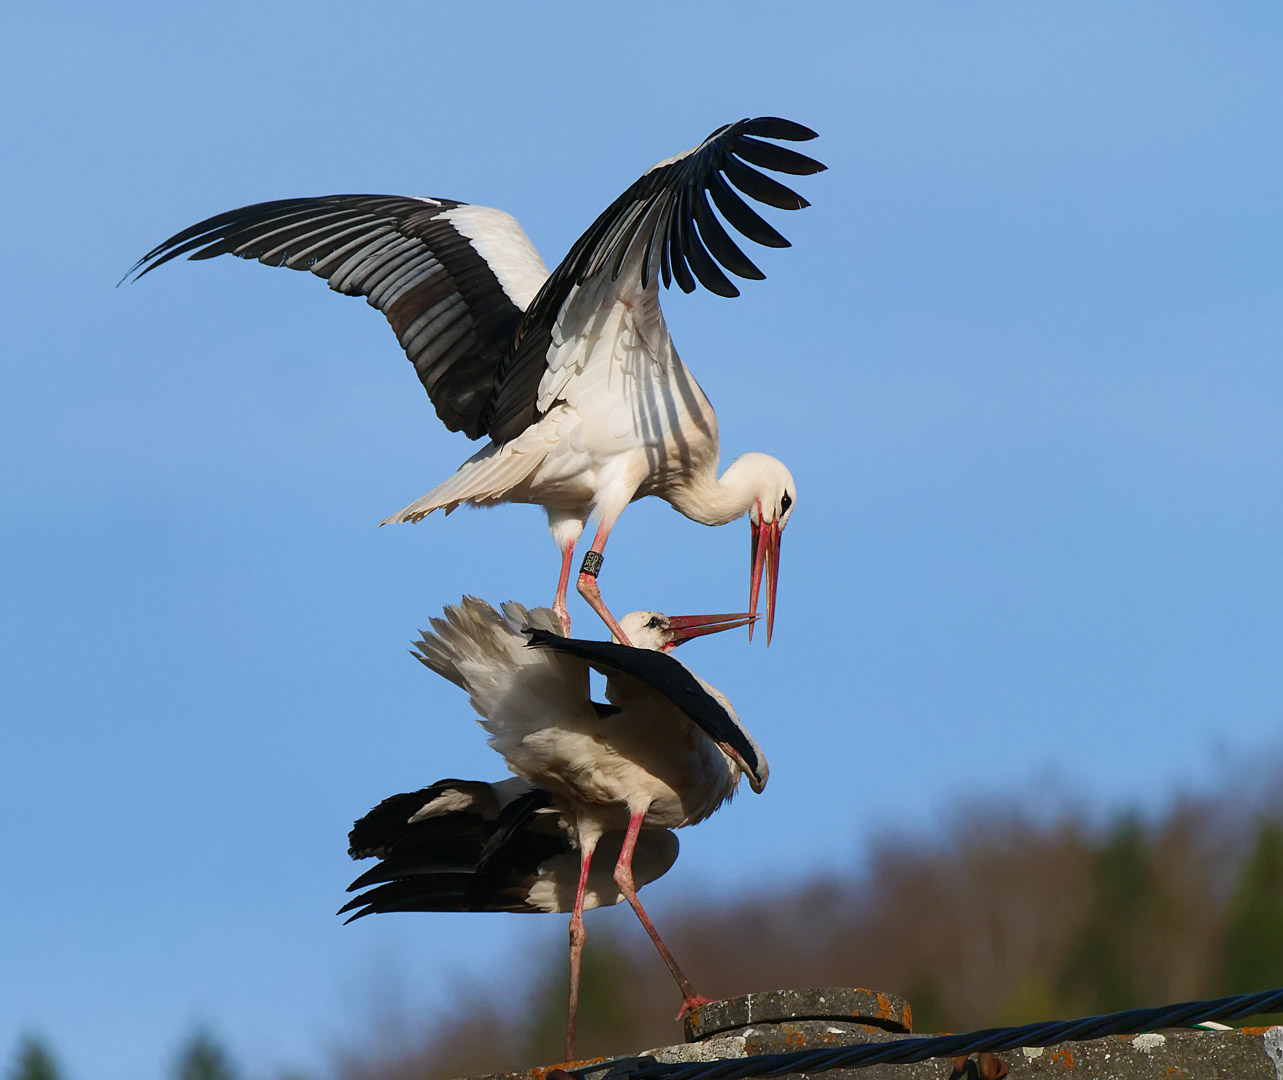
(691, 1003)
(589, 591)
(987, 1066)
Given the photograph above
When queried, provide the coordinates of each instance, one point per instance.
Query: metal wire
(903, 1051)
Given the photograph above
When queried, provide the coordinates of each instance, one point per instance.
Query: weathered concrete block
(785, 1020)
(884, 1011)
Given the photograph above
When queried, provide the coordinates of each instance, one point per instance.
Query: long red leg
(624, 879)
(588, 584)
(577, 937)
(563, 583)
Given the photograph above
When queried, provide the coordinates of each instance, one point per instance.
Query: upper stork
(666, 752)
(572, 375)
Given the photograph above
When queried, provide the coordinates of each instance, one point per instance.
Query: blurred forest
(1003, 918)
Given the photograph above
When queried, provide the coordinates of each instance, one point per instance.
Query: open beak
(681, 628)
(765, 557)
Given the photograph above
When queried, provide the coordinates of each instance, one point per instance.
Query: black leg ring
(592, 563)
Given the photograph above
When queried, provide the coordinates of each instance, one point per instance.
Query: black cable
(903, 1051)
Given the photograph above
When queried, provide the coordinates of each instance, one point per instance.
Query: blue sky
(1023, 359)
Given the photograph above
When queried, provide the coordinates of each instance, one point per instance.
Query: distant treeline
(1005, 919)
(201, 1058)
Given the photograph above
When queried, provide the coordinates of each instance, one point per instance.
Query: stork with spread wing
(571, 375)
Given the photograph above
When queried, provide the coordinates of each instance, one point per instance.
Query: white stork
(573, 374)
(666, 752)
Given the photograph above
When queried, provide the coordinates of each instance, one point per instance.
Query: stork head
(663, 633)
(772, 506)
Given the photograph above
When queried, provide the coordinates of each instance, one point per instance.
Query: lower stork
(665, 751)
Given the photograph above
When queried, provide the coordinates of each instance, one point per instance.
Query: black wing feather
(666, 203)
(665, 676)
(701, 262)
(743, 217)
(385, 827)
(774, 127)
(719, 242)
(761, 187)
(677, 245)
(776, 158)
(516, 817)
(475, 859)
(405, 258)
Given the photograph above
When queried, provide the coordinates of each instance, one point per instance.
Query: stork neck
(713, 500)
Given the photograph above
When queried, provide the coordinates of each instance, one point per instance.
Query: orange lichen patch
(886, 1009)
(1255, 1029)
(1063, 1057)
(558, 1071)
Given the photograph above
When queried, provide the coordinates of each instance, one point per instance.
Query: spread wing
(466, 293)
(658, 673)
(665, 222)
(452, 279)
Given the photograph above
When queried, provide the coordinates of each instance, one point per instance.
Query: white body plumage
(641, 755)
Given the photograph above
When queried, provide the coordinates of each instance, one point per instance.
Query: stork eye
(785, 502)
(654, 623)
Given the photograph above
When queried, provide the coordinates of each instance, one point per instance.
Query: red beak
(765, 555)
(681, 628)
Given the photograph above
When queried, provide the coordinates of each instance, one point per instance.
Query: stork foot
(692, 1002)
(987, 1066)
(563, 616)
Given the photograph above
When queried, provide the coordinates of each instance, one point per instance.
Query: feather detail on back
(483, 651)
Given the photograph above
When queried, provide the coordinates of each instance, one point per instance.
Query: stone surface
(1246, 1054)
(885, 1011)
(783, 1021)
